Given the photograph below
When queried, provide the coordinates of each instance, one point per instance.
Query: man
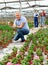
(36, 18)
(22, 27)
(42, 18)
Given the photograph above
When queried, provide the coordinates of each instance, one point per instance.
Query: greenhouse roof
(25, 6)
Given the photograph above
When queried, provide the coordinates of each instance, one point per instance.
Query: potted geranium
(39, 52)
(9, 56)
(33, 47)
(26, 45)
(30, 51)
(36, 62)
(41, 59)
(5, 59)
(22, 50)
(46, 50)
(19, 57)
(1, 63)
(14, 60)
(14, 51)
(28, 58)
(24, 62)
(47, 61)
(30, 36)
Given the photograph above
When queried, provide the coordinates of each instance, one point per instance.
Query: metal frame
(20, 1)
(20, 8)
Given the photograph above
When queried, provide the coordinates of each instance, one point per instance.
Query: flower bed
(6, 34)
(31, 24)
(36, 48)
(46, 22)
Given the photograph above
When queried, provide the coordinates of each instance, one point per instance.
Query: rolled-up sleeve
(24, 20)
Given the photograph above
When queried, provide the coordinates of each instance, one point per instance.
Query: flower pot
(46, 52)
(9, 41)
(41, 63)
(26, 48)
(10, 57)
(5, 63)
(13, 54)
(34, 48)
(30, 62)
(0, 43)
(19, 61)
(4, 45)
(43, 48)
(32, 57)
(47, 56)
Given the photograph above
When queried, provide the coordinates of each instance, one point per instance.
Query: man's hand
(14, 26)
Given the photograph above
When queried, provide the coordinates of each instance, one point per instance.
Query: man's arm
(15, 26)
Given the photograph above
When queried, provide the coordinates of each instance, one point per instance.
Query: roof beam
(24, 7)
(12, 2)
(28, 3)
(18, 1)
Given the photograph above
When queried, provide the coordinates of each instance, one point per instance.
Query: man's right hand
(13, 26)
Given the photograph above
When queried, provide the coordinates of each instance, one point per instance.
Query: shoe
(14, 41)
(24, 41)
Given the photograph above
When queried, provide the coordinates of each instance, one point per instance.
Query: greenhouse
(23, 32)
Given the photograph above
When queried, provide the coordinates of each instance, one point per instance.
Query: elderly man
(22, 27)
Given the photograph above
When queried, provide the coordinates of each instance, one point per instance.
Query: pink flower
(20, 53)
(36, 57)
(17, 64)
(9, 63)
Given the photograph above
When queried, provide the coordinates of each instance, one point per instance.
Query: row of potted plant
(41, 38)
(37, 47)
(34, 56)
(16, 58)
(6, 34)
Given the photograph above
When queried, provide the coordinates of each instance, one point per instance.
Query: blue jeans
(42, 20)
(36, 21)
(20, 34)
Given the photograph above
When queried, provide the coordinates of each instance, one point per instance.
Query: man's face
(18, 15)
